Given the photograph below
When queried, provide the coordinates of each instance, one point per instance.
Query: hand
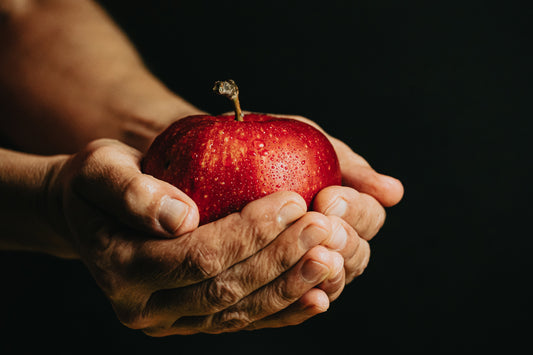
(139, 238)
(359, 203)
(358, 174)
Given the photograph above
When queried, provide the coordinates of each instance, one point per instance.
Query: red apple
(223, 163)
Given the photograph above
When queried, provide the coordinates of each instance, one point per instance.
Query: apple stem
(229, 89)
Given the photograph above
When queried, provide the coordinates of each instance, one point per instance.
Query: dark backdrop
(435, 93)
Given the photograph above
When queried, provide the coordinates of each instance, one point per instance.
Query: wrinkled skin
(272, 264)
(70, 77)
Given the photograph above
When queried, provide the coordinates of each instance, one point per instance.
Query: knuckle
(283, 295)
(220, 295)
(266, 211)
(142, 188)
(371, 218)
(265, 218)
(258, 227)
(258, 218)
(284, 261)
(364, 260)
(97, 150)
(202, 262)
(327, 196)
(87, 165)
(316, 218)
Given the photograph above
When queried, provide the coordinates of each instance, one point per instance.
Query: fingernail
(289, 213)
(337, 208)
(313, 271)
(171, 214)
(311, 235)
(338, 239)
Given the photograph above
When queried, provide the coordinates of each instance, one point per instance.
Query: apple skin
(223, 164)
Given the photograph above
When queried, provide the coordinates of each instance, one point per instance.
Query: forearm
(24, 206)
(68, 75)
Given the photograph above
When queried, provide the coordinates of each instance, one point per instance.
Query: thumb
(108, 176)
(358, 174)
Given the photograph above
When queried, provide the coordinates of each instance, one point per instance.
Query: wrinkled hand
(359, 203)
(272, 264)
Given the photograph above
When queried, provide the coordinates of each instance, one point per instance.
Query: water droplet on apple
(258, 144)
(303, 162)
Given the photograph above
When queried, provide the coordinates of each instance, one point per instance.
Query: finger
(345, 241)
(107, 174)
(230, 286)
(357, 264)
(354, 250)
(312, 269)
(314, 302)
(358, 174)
(343, 238)
(364, 213)
(214, 247)
(134, 262)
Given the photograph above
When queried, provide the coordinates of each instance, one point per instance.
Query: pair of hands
(272, 264)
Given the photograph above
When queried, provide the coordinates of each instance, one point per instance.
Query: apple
(224, 162)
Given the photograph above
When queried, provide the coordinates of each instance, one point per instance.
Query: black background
(435, 93)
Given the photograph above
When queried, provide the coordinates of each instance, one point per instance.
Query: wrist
(50, 208)
(144, 107)
(26, 206)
